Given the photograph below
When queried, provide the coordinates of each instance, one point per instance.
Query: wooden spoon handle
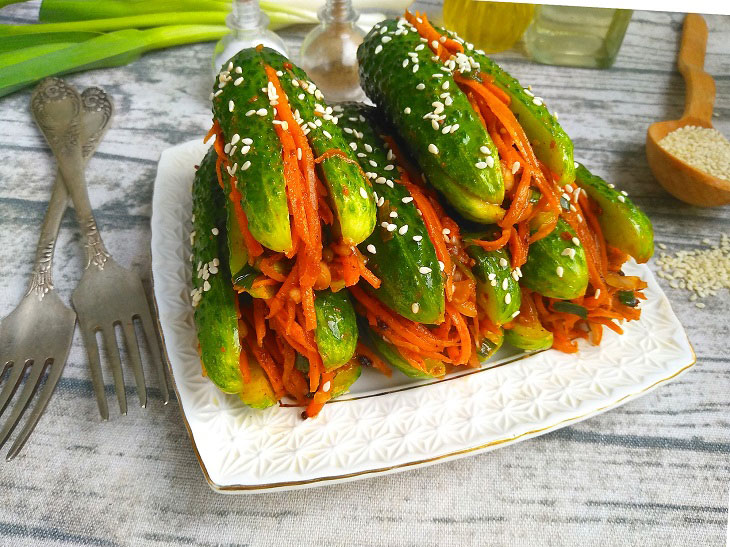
(700, 86)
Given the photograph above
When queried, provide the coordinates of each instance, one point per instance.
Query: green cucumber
(498, 293)
(262, 184)
(344, 378)
(396, 259)
(336, 331)
(216, 313)
(489, 345)
(550, 142)
(528, 336)
(391, 355)
(448, 160)
(349, 191)
(623, 224)
(553, 271)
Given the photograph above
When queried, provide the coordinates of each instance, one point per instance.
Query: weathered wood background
(653, 472)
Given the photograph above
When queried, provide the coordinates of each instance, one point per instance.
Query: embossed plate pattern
(386, 426)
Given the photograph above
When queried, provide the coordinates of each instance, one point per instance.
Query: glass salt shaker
(248, 26)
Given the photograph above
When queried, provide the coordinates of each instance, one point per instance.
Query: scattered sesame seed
(299, 153)
(484, 150)
(433, 149)
(507, 298)
(445, 85)
(385, 39)
(559, 271)
(415, 307)
(420, 87)
(407, 110)
(371, 248)
(231, 106)
(206, 286)
(490, 162)
(576, 241)
(537, 101)
(363, 193)
(481, 165)
(235, 139)
(214, 231)
(441, 266)
(515, 314)
(326, 133)
(700, 305)
(394, 214)
(515, 167)
(415, 68)
(503, 262)
(424, 270)
(326, 386)
(407, 199)
(597, 293)
(505, 284)
(621, 198)
(245, 166)
(238, 81)
(403, 229)
(391, 227)
(417, 238)
(378, 49)
(261, 112)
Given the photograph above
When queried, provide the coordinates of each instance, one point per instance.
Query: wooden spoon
(676, 176)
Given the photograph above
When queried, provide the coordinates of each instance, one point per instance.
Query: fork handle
(41, 280)
(71, 165)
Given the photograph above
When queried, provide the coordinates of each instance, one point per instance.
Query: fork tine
(153, 343)
(130, 341)
(11, 384)
(40, 406)
(112, 351)
(89, 337)
(29, 388)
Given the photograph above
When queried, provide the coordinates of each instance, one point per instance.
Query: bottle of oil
(576, 36)
(490, 26)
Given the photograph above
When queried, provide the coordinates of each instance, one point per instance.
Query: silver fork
(107, 295)
(38, 333)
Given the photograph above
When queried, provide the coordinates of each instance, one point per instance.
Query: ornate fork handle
(95, 115)
(57, 110)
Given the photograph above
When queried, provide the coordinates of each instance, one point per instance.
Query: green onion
(21, 41)
(569, 307)
(628, 298)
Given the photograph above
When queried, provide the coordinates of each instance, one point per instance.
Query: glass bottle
(329, 52)
(248, 26)
(576, 36)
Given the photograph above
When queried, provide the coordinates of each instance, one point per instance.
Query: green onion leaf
(628, 298)
(569, 307)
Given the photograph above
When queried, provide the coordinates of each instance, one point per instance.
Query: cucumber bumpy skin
(393, 357)
(453, 161)
(245, 117)
(408, 268)
(498, 293)
(336, 331)
(550, 272)
(216, 314)
(624, 225)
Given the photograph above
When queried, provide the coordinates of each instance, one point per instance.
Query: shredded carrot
(495, 244)
(377, 363)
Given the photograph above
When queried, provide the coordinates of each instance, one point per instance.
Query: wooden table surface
(652, 472)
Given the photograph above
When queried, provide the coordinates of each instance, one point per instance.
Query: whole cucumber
(336, 331)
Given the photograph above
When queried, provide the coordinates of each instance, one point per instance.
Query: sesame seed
(507, 298)
(503, 262)
(238, 81)
(434, 44)
(394, 214)
(385, 39)
(559, 271)
(415, 68)
(537, 101)
(575, 164)
(415, 307)
(490, 162)
(299, 153)
(700, 305)
(597, 294)
(424, 270)
(389, 167)
(515, 167)
(492, 276)
(238, 70)
(363, 193)
(407, 110)
(214, 231)
(371, 248)
(505, 284)
(231, 106)
(326, 386)
(391, 227)
(378, 49)
(206, 286)
(403, 229)
(405, 63)
(622, 199)
(484, 150)
(446, 231)
(576, 241)
(407, 199)
(420, 87)
(433, 149)
(481, 165)
(326, 133)
(515, 314)
(569, 188)
(301, 96)
(441, 266)
(261, 112)
(435, 125)
(445, 85)
(569, 252)
(245, 166)
(417, 238)
(235, 139)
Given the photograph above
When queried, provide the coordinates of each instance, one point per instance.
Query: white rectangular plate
(387, 425)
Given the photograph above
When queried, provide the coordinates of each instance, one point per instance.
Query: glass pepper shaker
(329, 52)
